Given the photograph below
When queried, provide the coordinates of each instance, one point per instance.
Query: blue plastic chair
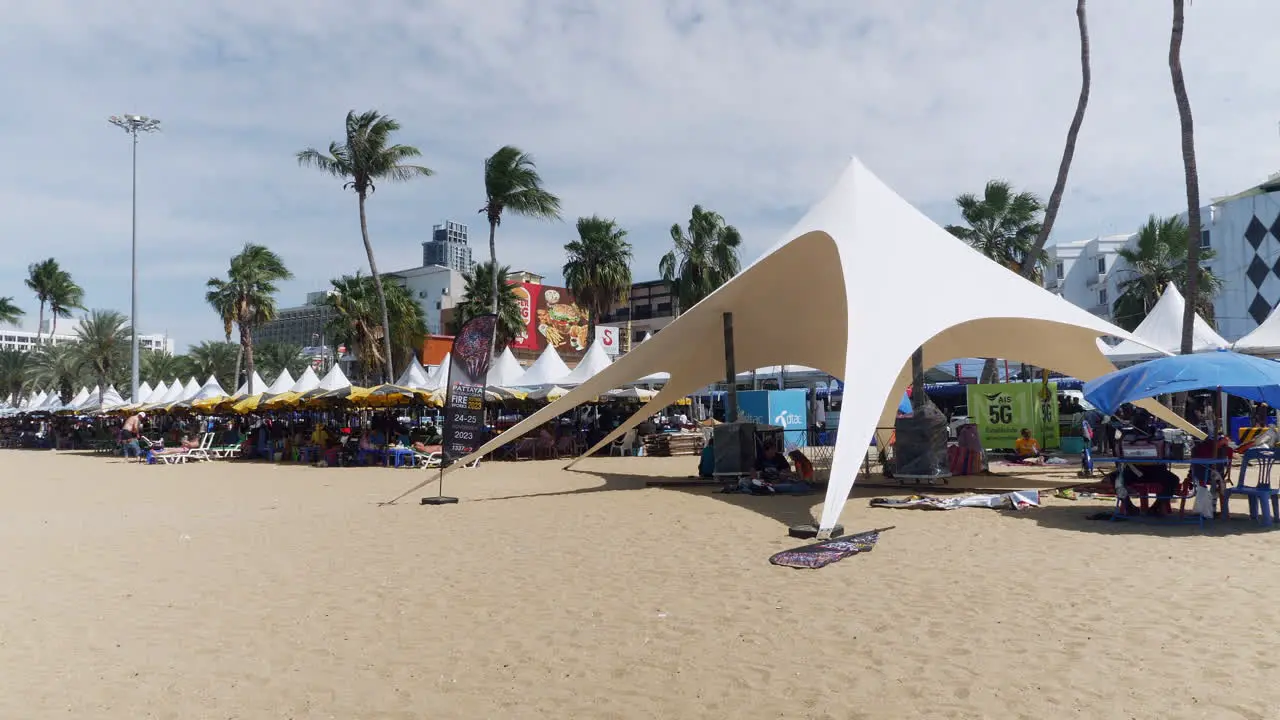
(1264, 499)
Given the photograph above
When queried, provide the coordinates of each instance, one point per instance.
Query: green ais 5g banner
(1002, 411)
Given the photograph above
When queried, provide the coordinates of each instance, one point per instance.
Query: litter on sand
(1017, 500)
(824, 553)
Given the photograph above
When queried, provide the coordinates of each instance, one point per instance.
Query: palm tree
(365, 158)
(158, 365)
(1159, 258)
(217, 359)
(10, 314)
(1189, 170)
(13, 372)
(356, 323)
(703, 259)
(56, 366)
(1029, 263)
(477, 299)
(1002, 225)
(512, 183)
(103, 346)
(53, 287)
(276, 357)
(250, 288)
(597, 268)
(224, 305)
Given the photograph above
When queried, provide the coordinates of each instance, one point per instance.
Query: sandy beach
(222, 590)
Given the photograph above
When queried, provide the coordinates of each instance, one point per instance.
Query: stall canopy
(594, 361)
(440, 373)
(548, 369)
(1162, 330)
(504, 372)
(190, 390)
(830, 292)
(414, 376)
(1235, 374)
(283, 382)
(306, 382)
(1265, 339)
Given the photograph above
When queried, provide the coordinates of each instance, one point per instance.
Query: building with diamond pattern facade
(1242, 229)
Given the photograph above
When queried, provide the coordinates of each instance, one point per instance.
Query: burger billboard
(551, 317)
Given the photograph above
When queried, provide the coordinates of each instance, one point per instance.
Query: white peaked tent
(1265, 339)
(190, 390)
(281, 384)
(110, 401)
(144, 392)
(37, 400)
(548, 369)
(52, 403)
(172, 395)
(306, 382)
(594, 361)
(258, 386)
(647, 336)
(503, 372)
(414, 376)
(818, 298)
(209, 390)
(439, 374)
(79, 399)
(333, 380)
(156, 395)
(1162, 329)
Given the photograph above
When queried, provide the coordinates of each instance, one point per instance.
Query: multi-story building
(448, 247)
(1242, 230)
(303, 325)
(436, 288)
(26, 340)
(648, 307)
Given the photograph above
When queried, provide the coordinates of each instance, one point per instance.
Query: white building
(436, 288)
(25, 340)
(1242, 229)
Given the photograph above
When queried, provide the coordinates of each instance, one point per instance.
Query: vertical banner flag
(464, 398)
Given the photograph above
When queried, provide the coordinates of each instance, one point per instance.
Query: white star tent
(594, 361)
(258, 386)
(1162, 329)
(281, 384)
(819, 298)
(548, 369)
(1264, 340)
(414, 376)
(440, 373)
(503, 372)
(306, 382)
(332, 380)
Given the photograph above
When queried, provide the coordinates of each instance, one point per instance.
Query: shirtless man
(130, 432)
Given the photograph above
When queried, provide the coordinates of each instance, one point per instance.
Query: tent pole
(731, 372)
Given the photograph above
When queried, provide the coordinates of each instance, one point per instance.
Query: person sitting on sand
(1027, 449)
(773, 475)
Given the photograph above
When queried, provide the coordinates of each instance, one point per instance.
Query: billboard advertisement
(1002, 411)
(787, 409)
(551, 318)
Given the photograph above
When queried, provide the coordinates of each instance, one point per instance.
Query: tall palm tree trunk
(388, 366)
(493, 263)
(1193, 188)
(1192, 179)
(1068, 152)
(246, 349)
(235, 382)
(40, 323)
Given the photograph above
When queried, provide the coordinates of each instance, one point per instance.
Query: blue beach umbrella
(1235, 374)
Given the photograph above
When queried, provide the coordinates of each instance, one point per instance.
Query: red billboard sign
(551, 318)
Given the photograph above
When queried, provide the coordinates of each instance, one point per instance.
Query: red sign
(551, 318)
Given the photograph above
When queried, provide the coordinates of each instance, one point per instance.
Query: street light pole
(134, 124)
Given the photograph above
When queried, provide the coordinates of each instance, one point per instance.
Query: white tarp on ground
(831, 291)
(1265, 339)
(1162, 329)
(503, 372)
(548, 369)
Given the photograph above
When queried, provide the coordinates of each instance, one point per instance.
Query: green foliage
(217, 359)
(512, 184)
(1160, 258)
(597, 267)
(1002, 224)
(275, 357)
(247, 295)
(53, 288)
(10, 314)
(477, 299)
(702, 259)
(356, 322)
(103, 347)
(158, 365)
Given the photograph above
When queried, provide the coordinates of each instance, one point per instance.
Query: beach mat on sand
(824, 553)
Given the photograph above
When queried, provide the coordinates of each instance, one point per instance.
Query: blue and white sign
(787, 409)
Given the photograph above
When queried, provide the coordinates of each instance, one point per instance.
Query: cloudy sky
(634, 109)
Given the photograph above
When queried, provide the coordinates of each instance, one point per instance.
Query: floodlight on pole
(134, 124)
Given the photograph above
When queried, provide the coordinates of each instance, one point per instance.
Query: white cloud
(634, 109)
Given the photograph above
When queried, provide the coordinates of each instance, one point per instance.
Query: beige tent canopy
(834, 295)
